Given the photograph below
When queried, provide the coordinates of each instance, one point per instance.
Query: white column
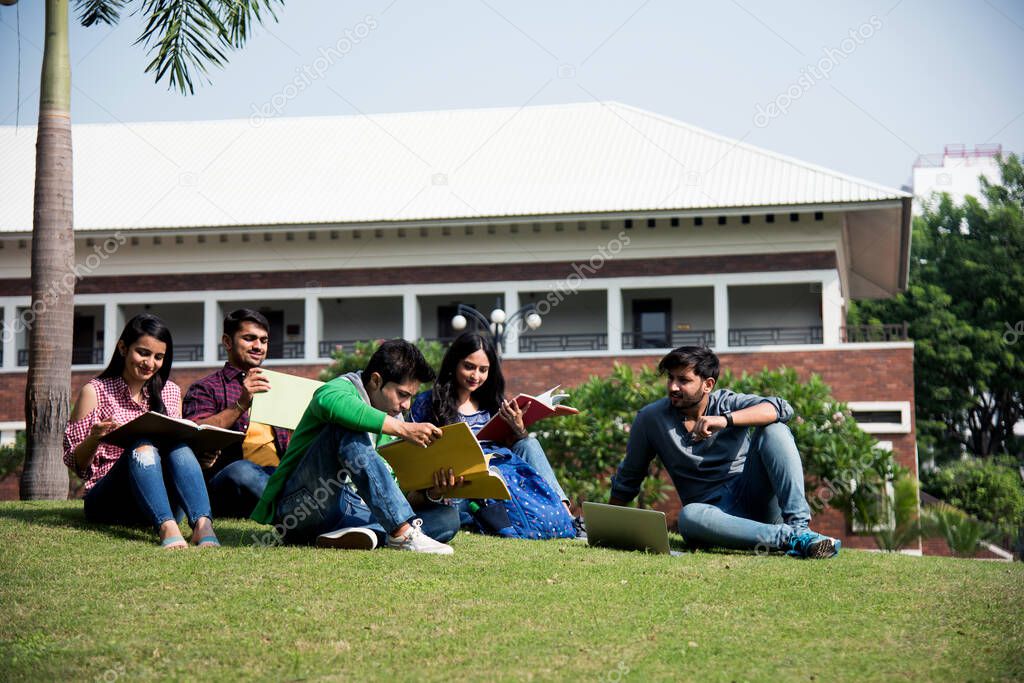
(211, 330)
(511, 346)
(111, 329)
(410, 317)
(614, 318)
(10, 335)
(831, 309)
(312, 337)
(721, 315)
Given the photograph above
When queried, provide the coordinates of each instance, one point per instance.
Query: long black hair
(141, 325)
(444, 402)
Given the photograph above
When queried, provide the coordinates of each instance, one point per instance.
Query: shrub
(901, 511)
(585, 449)
(12, 456)
(355, 358)
(989, 489)
(963, 533)
(843, 465)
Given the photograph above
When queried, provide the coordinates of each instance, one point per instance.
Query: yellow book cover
(457, 449)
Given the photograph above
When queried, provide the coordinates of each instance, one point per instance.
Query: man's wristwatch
(728, 419)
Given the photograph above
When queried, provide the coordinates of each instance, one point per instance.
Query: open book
(456, 449)
(163, 430)
(545, 405)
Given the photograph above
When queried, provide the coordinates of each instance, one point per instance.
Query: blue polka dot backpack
(535, 511)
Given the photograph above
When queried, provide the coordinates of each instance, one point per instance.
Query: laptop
(614, 526)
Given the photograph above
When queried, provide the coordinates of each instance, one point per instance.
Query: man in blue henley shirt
(740, 487)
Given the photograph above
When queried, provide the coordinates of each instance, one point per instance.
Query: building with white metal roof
(630, 232)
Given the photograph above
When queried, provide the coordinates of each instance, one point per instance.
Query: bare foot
(202, 534)
(170, 536)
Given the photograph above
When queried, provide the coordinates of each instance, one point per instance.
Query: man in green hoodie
(331, 484)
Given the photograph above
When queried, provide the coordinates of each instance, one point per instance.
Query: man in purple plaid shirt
(236, 476)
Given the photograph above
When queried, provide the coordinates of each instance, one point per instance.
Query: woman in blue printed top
(470, 388)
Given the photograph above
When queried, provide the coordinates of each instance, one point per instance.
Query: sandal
(208, 542)
(171, 543)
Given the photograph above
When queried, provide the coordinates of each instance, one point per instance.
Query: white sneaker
(415, 540)
(350, 538)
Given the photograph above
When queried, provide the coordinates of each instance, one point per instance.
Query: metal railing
(188, 352)
(771, 336)
(293, 349)
(79, 356)
(540, 343)
(589, 341)
(327, 347)
(288, 350)
(632, 340)
(889, 332)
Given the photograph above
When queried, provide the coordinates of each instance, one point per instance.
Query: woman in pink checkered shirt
(142, 484)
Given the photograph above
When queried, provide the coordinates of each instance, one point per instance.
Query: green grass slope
(81, 602)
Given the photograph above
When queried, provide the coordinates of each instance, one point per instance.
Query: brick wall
(938, 546)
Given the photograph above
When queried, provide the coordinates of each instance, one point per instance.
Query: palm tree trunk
(47, 393)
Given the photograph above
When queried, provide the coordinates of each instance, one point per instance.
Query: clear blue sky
(923, 73)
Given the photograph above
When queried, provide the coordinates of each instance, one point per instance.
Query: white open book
(164, 430)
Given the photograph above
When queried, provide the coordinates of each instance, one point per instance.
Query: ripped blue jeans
(149, 486)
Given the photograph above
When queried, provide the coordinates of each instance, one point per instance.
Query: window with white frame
(881, 417)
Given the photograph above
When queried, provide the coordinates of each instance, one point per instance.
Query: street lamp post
(499, 323)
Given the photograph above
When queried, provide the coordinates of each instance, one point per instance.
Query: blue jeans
(149, 486)
(761, 507)
(316, 500)
(235, 490)
(530, 450)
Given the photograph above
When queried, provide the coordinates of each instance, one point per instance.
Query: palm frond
(91, 12)
(238, 17)
(186, 37)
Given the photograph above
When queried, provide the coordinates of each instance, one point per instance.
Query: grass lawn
(91, 603)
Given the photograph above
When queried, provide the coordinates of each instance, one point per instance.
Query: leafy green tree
(966, 313)
(989, 489)
(183, 37)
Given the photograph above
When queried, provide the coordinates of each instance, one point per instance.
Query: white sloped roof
(600, 157)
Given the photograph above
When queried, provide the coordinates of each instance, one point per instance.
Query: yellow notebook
(286, 401)
(457, 449)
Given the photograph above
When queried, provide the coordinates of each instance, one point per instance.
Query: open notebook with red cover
(534, 408)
